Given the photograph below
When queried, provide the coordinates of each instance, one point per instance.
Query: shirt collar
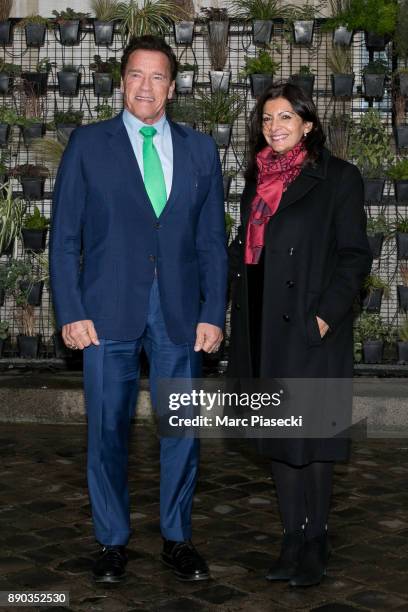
(134, 124)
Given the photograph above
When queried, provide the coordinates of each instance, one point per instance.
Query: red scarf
(275, 173)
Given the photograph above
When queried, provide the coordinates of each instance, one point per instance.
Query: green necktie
(153, 171)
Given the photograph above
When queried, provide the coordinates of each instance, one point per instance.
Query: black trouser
(304, 492)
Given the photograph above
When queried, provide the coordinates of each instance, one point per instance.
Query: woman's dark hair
(149, 43)
(302, 105)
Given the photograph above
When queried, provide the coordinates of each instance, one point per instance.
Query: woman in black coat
(297, 264)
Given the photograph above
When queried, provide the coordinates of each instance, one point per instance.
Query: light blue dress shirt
(162, 141)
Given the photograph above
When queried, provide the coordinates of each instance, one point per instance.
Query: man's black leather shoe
(110, 565)
(185, 561)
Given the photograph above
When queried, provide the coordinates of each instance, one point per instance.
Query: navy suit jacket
(101, 210)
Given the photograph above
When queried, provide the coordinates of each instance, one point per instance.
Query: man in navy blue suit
(138, 259)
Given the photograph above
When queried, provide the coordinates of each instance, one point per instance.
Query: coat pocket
(313, 336)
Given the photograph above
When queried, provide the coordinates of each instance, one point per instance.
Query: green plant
(213, 13)
(187, 68)
(68, 116)
(401, 31)
(186, 112)
(30, 171)
(44, 65)
(69, 15)
(375, 67)
(373, 281)
(258, 9)
(370, 146)
(377, 16)
(7, 115)
(229, 223)
(340, 127)
(185, 10)
(378, 225)
(305, 12)
(399, 170)
(4, 158)
(11, 216)
(218, 107)
(110, 66)
(105, 10)
(35, 220)
(369, 326)
(49, 149)
(401, 224)
(104, 111)
(10, 69)
(305, 71)
(339, 60)
(263, 64)
(20, 279)
(4, 327)
(33, 19)
(337, 10)
(5, 9)
(152, 17)
(403, 330)
(70, 68)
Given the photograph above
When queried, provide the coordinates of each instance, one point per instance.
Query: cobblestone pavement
(47, 542)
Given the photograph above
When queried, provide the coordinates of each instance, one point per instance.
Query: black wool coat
(315, 259)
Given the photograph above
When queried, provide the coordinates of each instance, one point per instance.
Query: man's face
(147, 85)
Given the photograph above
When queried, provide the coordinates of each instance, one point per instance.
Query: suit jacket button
(286, 318)
(152, 258)
(291, 250)
(290, 284)
(158, 224)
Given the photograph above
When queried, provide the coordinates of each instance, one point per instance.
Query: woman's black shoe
(285, 566)
(185, 561)
(111, 564)
(312, 563)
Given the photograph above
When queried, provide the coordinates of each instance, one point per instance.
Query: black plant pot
(2, 342)
(69, 32)
(6, 83)
(35, 83)
(103, 32)
(8, 251)
(5, 130)
(402, 348)
(218, 29)
(402, 293)
(68, 83)
(184, 32)
(185, 82)
(34, 239)
(102, 84)
(403, 84)
(35, 34)
(401, 136)
(28, 346)
(30, 132)
(226, 182)
(342, 85)
(6, 32)
(375, 42)
(259, 82)
(373, 351)
(60, 350)
(35, 293)
(373, 299)
(305, 82)
(262, 31)
(375, 241)
(220, 80)
(402, 245)
(373, 189)
(374, 85)
(221, 133)
(33, 187)
(401, 191)
(342, 36)
(64, 131)
(303, 32)
(2, 296)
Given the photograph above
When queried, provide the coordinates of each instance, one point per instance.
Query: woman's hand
(323, 327)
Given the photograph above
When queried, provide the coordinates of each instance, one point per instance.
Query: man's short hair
(149, 43)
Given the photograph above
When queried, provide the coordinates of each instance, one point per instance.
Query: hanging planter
(184, 32)
(401, 136)
(69, 32)
(30, 132)
(64, 131)
(403, 83)
(303, 31)
(102, 84)
(34, 239)
(69, 82)
(260, 82)
(375, 42)
(402, 293)
(402, 350)
(35, 34)
(35, 83)
(262, 31)
(8, 251)
(220, 80)
(103, 32)
(6, 83)
(305, 82)
(373, 299)
(35, 292)
(342, 85)
(33, 187)
(185, 82)
(5, 131)
(6, 32)
(218, 29)
(342, 36)
(221, 132)
(2, 296)
(402, 245)
(373, 351)
(373, 189)
(28, 346)
(401, 191)
(374, 85)
(375, 241)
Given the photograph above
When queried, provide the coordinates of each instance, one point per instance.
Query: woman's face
(281, 126)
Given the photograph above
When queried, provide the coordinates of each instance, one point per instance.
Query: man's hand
(323, 327)
(80, 334)
(208, 338)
